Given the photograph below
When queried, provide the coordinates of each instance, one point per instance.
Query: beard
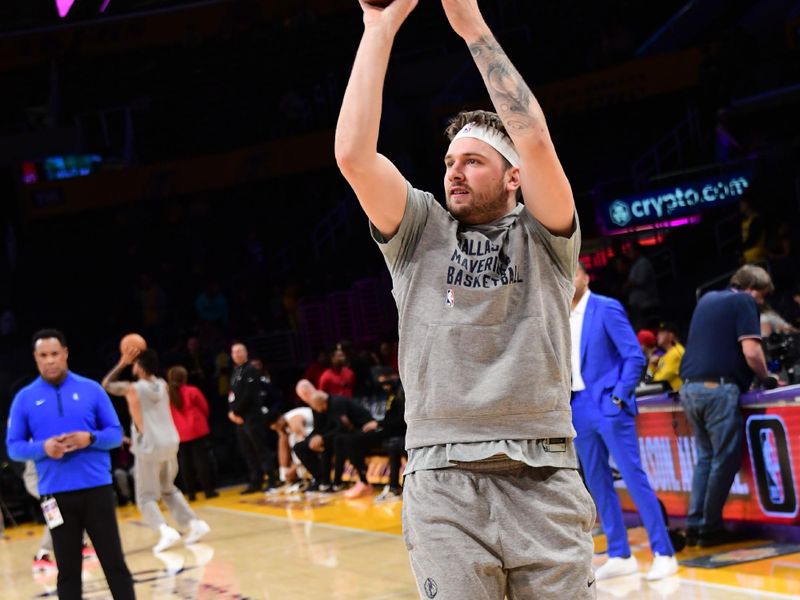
(484, 206)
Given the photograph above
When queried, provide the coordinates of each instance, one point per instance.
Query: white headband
(494, 138)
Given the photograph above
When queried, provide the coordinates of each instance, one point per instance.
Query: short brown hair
(479, 117)
(751, 277)
(486, 118)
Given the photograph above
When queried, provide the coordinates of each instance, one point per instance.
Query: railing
(670, 151)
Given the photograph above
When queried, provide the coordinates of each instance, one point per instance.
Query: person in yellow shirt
(669, 364)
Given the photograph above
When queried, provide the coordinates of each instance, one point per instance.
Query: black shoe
(692, 535)
(678, 539)
(720, 537)
(191, 497)
(212, 494)
(251, 489)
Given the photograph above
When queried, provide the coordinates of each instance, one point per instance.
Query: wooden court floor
(334, 549)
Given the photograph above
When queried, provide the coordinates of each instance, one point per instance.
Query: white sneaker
(617, 567)
(197, 529)
(663, 566)
(388, 494)
(168, 538)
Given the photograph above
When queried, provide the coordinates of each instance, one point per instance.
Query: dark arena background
(167, 168)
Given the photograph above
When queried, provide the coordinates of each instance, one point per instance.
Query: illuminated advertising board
(765, 489)
(672, 205)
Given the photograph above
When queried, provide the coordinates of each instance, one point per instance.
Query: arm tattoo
(118, 388)
(109, 383)
(510, 95)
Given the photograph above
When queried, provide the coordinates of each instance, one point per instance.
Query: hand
(346, 422)
(234, 418)
(316, 443)
(129, 355)
(76, 440)
(770, 382)
(391, 16)
(371, 426)
(54, 447)
(465, 18)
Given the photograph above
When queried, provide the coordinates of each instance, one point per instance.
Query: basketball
(132, 340)
(379, 3)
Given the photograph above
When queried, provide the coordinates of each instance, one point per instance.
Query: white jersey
(308, 422)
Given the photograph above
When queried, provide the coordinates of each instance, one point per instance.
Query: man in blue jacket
(607, 363)
(66, 424)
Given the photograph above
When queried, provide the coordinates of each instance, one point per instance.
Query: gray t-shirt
(160, 438)
(484, 325)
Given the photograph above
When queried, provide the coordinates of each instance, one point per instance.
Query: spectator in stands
(245, 410)
(606, 366)
(292, 427)
(666, 366)
(318, 366)
(211, 305)
(723, 352)
(333, 415)
(649, 345)
(190, 413)
(641, 288)
(197, 363)
(754, 232)
(338, 379)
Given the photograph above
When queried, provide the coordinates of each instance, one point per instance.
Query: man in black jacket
(245, 409)
(334, 416)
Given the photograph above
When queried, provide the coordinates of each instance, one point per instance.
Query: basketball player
(154, 442)
(483, 290)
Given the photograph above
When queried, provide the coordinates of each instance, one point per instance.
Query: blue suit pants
(598, 437)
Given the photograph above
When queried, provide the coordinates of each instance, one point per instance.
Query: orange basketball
(133, 340)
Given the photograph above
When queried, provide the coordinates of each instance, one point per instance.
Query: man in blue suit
(607, 363)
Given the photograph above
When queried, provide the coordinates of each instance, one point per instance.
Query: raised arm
(547, 192)
(110, 382)
(379, 186)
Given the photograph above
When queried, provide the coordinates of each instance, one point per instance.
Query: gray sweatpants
(524, 534)
(155, 479)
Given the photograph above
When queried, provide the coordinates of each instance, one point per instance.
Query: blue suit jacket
(611, 358)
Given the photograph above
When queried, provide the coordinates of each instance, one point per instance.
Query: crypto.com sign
(669, 204)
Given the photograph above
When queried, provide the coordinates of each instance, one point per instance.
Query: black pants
(316, 463)
(260, 458)
(193, 464)
(395, 448)
(92, 510)
(355, 446)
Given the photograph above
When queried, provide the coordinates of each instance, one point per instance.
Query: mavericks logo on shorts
(431, 589)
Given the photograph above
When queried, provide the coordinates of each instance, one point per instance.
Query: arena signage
(765, 490)
(669, 204)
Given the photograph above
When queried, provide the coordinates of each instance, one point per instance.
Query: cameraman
(722, 354)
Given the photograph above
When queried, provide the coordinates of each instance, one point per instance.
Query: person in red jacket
(338, 379)
(190, 413)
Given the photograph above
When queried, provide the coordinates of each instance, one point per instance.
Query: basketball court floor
(285, 547)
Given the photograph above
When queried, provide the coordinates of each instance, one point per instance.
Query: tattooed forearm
(109, 383)
(510, 95)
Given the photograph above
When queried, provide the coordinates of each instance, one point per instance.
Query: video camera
(783, 355)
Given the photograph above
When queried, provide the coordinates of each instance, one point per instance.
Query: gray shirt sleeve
(563, 250)
(399, 250)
